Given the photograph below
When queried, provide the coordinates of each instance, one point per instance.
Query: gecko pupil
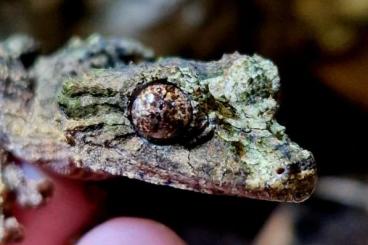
(160, 111)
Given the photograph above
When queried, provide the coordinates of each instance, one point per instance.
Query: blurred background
(321, 49)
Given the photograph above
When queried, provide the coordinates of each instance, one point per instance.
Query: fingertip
(132, 231)
(64, 215)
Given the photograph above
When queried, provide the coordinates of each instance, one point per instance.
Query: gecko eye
(160, 111)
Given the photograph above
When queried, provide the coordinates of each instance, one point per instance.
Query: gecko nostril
(153, 114)
(280, 170)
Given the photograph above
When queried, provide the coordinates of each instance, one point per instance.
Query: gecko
(101, 107)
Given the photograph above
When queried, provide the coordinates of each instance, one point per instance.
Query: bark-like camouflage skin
(70, 112)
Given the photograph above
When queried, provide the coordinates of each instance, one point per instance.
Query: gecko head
(208, 127)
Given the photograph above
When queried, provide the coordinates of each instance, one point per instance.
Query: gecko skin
(105, 107)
